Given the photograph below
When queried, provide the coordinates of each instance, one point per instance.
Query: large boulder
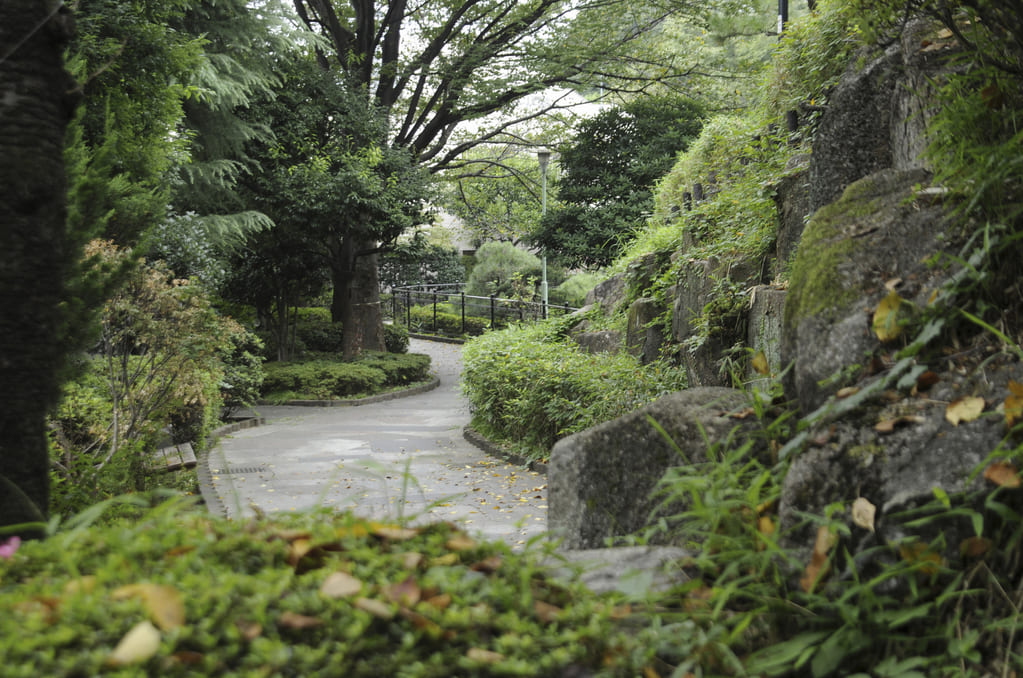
(645, 337)
(601, 480)
(900, 452)
(877, 234)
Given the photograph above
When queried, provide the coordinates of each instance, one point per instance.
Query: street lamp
(543, 155)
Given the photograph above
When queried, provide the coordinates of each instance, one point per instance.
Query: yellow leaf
(964, 410)
(377, 608)
(340, 585)
(760, 364)
(847, 391)
(294, 620)
(86, 584)
(460, 542)
(818, 568)
(863, 513)
(886, 317)
(140, 644)
(1003, 474)
(394, 532)
(478, 654)
(163, 603)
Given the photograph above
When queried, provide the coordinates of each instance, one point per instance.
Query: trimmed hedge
(531, 386)
(448, 324)
(324, 379)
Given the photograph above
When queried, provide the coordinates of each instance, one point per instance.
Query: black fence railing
(447, 309)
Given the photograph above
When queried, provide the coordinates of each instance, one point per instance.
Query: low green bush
(529, 385)
(447, 323)
(320, 335)
(396, 338)
(399, 368)
(319, 594)
(320, 380)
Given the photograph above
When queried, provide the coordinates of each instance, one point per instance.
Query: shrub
(399, 368)
(255, 599)
(497, 263)
(448, 324)
(318, 335)
(396, 338)
(573, 291)
(320, 380)
(526, 384)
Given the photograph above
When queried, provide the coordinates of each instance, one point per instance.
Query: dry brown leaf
(478, 654)
(412, 560)
(964, 410)
(488, 565)
(847, 391)
(650, 672)
(140, 644)
(760, 364)
(889, 425)
(406, 593)
(340, 585)
(1003, 474)
(975, 547)
(164, 604)
(546, 612)
(421, 622)
(927, 380)
(886, 318)
(249, 630)
(863, 513)
(460, 542)
(1014, 404)
(441, 601)
(294, 620)
(817, 568)
(377, 608)
(919, 553)
(394, 532)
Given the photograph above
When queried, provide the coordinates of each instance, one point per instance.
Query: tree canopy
(608, 171)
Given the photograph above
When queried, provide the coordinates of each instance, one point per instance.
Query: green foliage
(430, 604)
(609, 169)
(163, 360)
(421, 263)
(396, 339)
(446, 322)
(323, 379)
(497, 264)
(527, 385)
(573, 291)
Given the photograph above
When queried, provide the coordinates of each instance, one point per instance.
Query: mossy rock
(877, 233)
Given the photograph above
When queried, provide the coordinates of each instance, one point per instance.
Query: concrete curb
(495, 450)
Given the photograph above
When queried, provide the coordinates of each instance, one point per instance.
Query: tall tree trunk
(36, 103)
(356, 300)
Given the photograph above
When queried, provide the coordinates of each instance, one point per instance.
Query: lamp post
(543, 155)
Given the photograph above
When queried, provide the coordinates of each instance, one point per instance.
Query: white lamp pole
(543, 155)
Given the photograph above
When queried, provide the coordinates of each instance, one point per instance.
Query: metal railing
(473, 313)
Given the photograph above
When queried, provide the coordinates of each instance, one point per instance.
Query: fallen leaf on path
(164, 604)
(818, 567)
(294, 620)
(340, 585)
(863, 513)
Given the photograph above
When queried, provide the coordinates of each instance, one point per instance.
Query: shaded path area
(401, 458)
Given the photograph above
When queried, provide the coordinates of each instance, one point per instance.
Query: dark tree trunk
(356, 300)
(36, 102)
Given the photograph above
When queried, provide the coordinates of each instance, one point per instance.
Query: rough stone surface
(696, 288)
(876, 234)
(601, 341)
(899, 470)
(792, 199)
(627, 569)
(609, 294)
(600, 480)
(767, 307)
(854, 137)
(642, 339)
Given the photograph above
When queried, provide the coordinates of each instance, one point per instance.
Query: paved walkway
(403, 458)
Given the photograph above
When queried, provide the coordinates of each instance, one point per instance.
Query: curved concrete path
(399, 459)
